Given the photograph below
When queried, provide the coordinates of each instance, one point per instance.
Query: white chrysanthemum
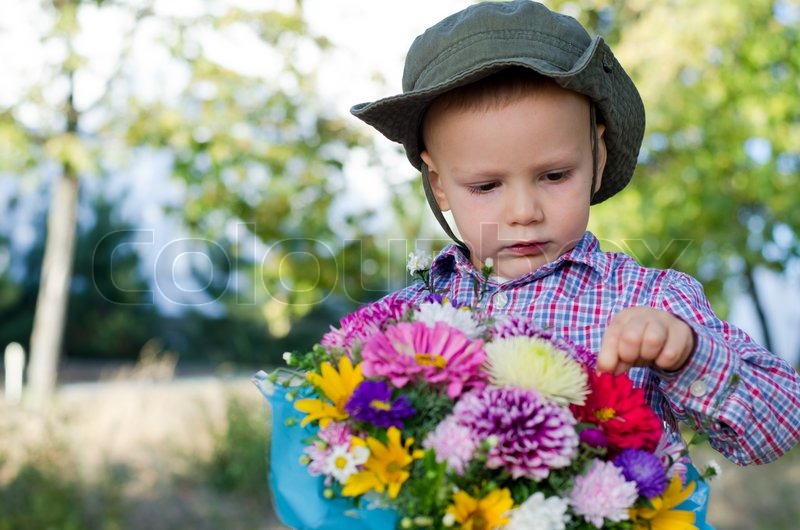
(343, 462)
(429, 313)
(418, 261)
(536, 364)
(540, 513)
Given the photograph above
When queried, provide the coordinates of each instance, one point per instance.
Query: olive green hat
(490, 36)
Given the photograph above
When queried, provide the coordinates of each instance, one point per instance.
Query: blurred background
(185, 197)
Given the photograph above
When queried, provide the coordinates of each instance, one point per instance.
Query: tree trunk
(51, 305)
(750, 280)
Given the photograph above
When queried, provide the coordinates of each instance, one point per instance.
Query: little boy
(519, 121)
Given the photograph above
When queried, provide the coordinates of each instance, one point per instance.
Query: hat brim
(597, 74)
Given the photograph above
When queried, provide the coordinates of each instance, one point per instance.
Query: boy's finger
(654, 341)
(629, 348)
(607, 359)
(672, 355)
(622, 367)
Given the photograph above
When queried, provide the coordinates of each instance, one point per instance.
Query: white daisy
(343, 462)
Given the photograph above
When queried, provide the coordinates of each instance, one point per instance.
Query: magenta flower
(515, 326)
(355, 328)
(533, 436)
(594, 437)
(372, 402)
(440, 354)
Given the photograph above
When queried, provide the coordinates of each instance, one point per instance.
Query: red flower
(621, 412)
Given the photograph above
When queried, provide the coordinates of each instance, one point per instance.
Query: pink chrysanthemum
(336, 433)
(533, 436)
(603, 493)
(439, 354)
(452, 443)
(515, 326)
(355, 328)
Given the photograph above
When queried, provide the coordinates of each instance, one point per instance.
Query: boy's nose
(522, 208)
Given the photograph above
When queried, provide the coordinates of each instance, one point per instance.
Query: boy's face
(517, 177)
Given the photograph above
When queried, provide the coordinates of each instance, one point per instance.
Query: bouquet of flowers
(438, 416)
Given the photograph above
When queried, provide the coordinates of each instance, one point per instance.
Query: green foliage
(238, 461)
(266, 152)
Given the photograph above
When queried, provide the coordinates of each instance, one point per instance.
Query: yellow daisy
(661, 513)
(481, 514)
(386, 467)
(536, 364)
(335, 385)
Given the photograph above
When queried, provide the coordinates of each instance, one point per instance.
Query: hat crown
(491, 32)
(488, 37)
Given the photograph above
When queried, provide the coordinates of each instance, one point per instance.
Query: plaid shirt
(746, 398)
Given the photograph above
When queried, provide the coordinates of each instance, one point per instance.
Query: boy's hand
(642, 336)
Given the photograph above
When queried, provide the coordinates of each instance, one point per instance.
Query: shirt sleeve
(744, 397)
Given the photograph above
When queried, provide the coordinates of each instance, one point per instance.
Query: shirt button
(698, 388)
(500, 300)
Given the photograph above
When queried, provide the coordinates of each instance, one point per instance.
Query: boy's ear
(602, 155)
(435, 181)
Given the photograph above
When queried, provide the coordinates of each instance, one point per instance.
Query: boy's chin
(512, 268)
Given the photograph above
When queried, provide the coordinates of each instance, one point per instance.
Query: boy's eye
(556, 176)
(482, 188)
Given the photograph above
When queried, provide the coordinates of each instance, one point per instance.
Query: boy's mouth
(527, 248)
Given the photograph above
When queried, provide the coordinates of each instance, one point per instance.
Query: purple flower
(356, 327)
(644, 469)
(434, 298)
(594, 437)
(515, 326)
(533, 436)
(371, 402)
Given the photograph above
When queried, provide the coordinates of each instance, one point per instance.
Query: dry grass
(149, 436)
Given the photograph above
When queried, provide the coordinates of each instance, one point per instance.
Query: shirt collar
(452, 259)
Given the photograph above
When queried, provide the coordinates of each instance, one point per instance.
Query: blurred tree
(229, 95)
(715, 190)
(111, 312)
(262, 157)
(111, 309)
